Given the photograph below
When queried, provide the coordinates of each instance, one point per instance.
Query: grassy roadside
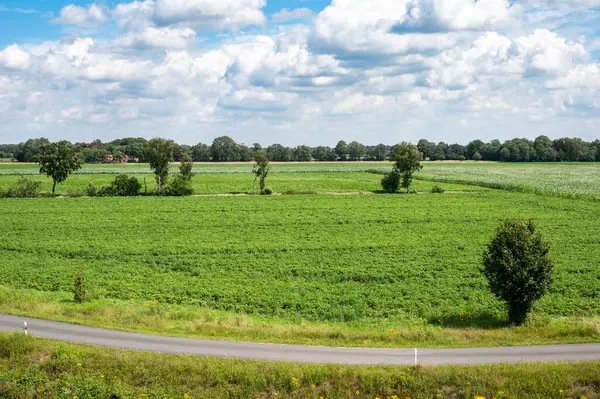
(35, 368)
(192, 321)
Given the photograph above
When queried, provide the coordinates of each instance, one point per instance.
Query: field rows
(321, 258)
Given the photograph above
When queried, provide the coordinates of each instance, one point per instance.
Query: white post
(25, 327)
(416, 358)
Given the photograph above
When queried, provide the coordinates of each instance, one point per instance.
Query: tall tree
(260, 170)
(356, 151)
(278, 153)
(517, 267)
(407, 160)
(58, 160)
(341, 150)
(159, 152)
(225, 149)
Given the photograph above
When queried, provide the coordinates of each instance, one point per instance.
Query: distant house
(110, 158)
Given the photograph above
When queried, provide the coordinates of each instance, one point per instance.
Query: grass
(33, 368)
(389, 261)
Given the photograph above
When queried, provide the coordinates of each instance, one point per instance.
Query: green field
(32, 368)
(385, 270)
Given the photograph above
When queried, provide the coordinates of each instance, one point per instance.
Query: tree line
(225, 149)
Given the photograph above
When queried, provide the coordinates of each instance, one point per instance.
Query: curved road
(300, 354)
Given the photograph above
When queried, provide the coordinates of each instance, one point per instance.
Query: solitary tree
(260, 170)
(58, 160)
(517, 267)
(159, 152)
(80, 291)
(407, 161)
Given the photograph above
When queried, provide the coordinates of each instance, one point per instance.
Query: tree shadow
(485, 321)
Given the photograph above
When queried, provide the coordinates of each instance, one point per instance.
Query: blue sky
(299, 72)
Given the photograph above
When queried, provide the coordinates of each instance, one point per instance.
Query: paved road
(301, 354)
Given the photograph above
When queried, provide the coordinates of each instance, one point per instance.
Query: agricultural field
(364, 261)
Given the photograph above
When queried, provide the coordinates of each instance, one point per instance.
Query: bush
(517, 267)
(126, 186)
(391, 182)
(80, 292)
(437, 190)
(22, 188)
(91, 190)
(178, 187)
(267, 191)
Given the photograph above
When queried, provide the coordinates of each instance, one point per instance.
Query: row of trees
(225, 149)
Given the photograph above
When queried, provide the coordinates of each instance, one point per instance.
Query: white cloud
(73, 14)
(13, 57)
(136, 14)
(209, 14)
(285, 14)
(158, 37)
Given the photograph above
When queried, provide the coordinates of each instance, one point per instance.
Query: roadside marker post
(25, 327)
(416, 358)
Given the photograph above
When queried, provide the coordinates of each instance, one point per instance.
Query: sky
(299, 72)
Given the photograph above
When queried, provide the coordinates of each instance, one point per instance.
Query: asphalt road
(300, 354)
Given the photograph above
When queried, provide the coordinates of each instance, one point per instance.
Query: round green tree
(517, 267)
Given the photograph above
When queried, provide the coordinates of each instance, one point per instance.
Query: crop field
(570, 180)
(320, 258)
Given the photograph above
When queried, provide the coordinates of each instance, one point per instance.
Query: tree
(341, 150)
(473, 147)
(201, 153)
(543, 149)
(27, 151)
(407, 160)
(224, 149)
(278, 153)
(260, 170)
(517, 267)
(58, 160)
(477, 157)
(323, 153)
(159, 152)
(302, 153)
(356, 151)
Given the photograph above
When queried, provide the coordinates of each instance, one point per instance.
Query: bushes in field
(23, 188)
(80, 294)
(437, 190)
(407, 161)
(517, 267)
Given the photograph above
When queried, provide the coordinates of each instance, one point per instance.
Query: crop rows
(323, 258)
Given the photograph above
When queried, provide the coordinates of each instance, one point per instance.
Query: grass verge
(197, 322)
(36, 368)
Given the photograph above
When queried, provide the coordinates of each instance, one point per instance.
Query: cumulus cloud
(209, 14)
(286, 14)
(93, 15)
(13, 57)
(158, 37)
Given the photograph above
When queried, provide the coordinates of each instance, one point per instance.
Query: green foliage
(517, 267)
(80, 294)
(22, 188)
(437, 190)
(91, 190)
(158, 153)
(261, 170)
(407, 160)
(58, 160)
(178, 186)
(476, 157)
(125, 186)
(391, 181)
(14, 346)
(186, 169)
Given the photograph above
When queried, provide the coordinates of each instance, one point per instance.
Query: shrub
(517, 267)
(91, 190)
(126, 186)
(267, 191)
(179, 186)
(80, 294)
(437, 190)
(22, 188)
(391, 181)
